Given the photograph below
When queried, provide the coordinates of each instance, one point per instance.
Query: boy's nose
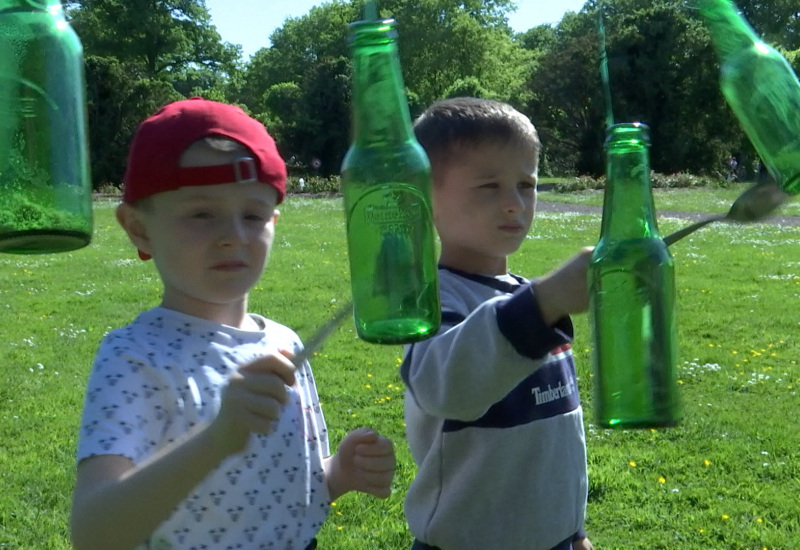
(514, 201)
(233, 233)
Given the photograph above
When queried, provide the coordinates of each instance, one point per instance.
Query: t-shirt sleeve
(124, 409)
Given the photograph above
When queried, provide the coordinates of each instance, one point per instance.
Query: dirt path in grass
(547, 206)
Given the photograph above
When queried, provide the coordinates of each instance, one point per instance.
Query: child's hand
(364, 462)
(582, 544)
(564, 290)
(252, 400)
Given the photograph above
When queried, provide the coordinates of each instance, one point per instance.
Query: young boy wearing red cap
(198, 431)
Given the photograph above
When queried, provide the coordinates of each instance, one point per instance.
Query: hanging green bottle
(45, 188)
(632, 295)
(386, 183)
(761, 88)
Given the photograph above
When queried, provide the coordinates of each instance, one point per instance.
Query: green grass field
(716, 201)
(726, 478)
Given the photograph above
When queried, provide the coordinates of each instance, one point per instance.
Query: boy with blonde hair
(493, 418)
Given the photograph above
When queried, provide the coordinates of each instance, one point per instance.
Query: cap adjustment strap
(242, 170)
(250, 164)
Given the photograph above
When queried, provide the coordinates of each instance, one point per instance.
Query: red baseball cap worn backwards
(160, 141)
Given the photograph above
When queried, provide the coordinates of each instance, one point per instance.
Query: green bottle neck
(628, 209)
(380, 107)
(730, 31)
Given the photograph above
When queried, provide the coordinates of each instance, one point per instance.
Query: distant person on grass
(197, 430)
(493, 418)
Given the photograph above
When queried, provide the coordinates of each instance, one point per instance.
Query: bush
(313, 185)
(679, 180)
(108, 189)
(580, 183)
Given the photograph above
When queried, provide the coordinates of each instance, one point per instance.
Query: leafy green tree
(777, 21)
(155, 37)
(442, 41)
(116, 103)
(468, 87)
(663, 71)
(141, 54)
(296, 48)
(284, 108)
(327, 136)
(566, 101)
(474, 53)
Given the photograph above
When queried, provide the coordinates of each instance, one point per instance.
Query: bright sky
(250, 22)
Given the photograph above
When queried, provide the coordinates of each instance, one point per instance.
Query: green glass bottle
(45, 188)
(632, 295)
(386, 183)
(761, 88)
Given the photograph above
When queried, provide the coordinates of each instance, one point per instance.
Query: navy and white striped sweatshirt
(494, 422)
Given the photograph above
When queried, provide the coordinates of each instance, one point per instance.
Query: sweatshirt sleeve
(480, 356)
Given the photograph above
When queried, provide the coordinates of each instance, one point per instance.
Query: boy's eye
(490, 185)
(201, 215)
(259, 215)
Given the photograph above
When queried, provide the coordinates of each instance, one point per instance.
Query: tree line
(663, 71)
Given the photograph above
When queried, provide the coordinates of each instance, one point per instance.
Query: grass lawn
(715, 201)
(726, 478)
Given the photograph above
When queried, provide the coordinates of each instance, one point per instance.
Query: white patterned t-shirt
(155, 379)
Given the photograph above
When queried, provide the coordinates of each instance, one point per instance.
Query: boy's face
(210, 244)
(483, 205)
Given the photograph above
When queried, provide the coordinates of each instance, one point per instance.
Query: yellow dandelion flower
(725, 516)
(632, 463)
(706, 462)
(369, 375)
(662, 480)
(759, 520)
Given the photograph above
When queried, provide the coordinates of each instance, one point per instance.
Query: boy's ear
(130, 218)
